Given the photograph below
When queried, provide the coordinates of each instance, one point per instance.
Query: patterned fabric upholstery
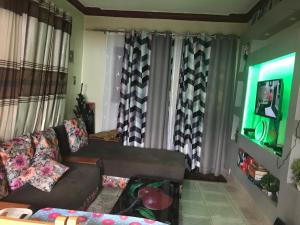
(89, 218)
(46, 145)
(114, 182)
(16, 156)
(43, 174)
(75, 190)
(77, 134)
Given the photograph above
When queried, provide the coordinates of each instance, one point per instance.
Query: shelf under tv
(263, 154)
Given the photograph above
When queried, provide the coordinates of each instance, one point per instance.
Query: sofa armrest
(81, 159)
(4, 205)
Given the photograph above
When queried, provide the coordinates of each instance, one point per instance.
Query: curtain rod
(151, 32)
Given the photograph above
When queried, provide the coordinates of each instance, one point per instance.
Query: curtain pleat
(111, 99)
(33, 65)
(11, 45)
(219, 94)
(134, 88)
(192, 97)
(175, 71)
(159, 91)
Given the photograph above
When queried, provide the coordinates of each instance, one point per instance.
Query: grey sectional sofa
(81, 184)
(123, 161)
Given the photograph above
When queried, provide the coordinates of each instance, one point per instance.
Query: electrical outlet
(71, 56)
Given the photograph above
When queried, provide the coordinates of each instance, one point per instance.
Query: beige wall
(93, 69)
(94, 46)
(76, 44)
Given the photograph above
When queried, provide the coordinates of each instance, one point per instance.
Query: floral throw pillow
(46, 145)
(16, 156)
(44, 174)
(77, 134)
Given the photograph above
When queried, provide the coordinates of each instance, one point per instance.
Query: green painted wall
(76, 44)
(279, 68)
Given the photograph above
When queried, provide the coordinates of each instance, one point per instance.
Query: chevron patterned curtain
(134, 88)
(191, 99)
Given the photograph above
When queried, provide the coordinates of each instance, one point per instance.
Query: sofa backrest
(63, 141)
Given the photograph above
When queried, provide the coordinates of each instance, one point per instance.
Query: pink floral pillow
(46, 145)
(77, 134)
(44, 174)
(16, 156)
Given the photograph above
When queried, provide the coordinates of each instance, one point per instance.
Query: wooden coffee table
(150, 198)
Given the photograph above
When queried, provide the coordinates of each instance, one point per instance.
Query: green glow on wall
(279, 68)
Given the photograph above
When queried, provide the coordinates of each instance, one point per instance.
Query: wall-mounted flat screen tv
(268, 98)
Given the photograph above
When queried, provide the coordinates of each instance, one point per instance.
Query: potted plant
(296, 172)
(270, 184)
(85, 112)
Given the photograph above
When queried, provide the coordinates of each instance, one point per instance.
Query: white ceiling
(217, 7)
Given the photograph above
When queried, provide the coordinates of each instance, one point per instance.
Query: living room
(215, 140)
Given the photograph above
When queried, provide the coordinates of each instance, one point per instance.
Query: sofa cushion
(63, 142)
(44, 173)
(46, 145)
(70, 192)
(77, 134)
(16, 156)
(123, 161)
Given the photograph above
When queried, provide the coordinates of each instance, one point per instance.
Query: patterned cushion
(16, 156)
(46, 145)
(77, 135)
(114, 182)
(43, 174)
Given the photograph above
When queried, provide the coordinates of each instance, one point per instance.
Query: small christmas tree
(83, 110)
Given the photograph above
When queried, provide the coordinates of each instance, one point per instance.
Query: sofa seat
(75, 190)
(123, 161)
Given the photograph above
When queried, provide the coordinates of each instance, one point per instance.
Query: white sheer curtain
(177, 50)
(113, 74)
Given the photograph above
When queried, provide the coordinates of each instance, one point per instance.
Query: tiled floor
(206, 203)
(245, 203)
(203, 203)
